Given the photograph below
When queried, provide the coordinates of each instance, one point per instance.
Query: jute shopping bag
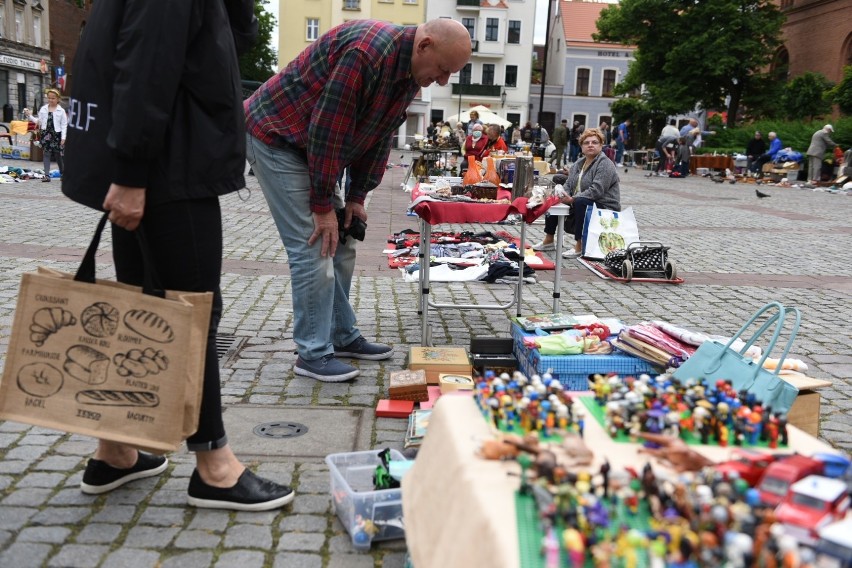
(106, 359)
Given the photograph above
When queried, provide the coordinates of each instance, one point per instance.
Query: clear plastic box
(367, 514)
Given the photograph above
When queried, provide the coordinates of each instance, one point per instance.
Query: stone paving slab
(735, 253)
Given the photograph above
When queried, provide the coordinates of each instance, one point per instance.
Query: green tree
(694, 53)
(806, 96)
(841, 94)
(259, 64)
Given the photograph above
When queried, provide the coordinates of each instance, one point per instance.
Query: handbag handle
(86, 271)
(779, 383)
(777, 319)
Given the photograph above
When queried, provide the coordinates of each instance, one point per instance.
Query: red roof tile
(579, 23)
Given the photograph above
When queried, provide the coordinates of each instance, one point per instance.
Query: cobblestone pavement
(736, 253)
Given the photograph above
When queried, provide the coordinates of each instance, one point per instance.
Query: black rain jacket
(157, 101)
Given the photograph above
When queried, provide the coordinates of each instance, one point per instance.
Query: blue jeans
(320, 284)
(619, 150)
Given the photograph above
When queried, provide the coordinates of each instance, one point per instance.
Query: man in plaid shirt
(334, 107)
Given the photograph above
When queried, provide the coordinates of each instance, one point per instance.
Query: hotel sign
(12, 61)
(613, 54)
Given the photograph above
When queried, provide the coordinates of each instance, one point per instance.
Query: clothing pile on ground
(12, 174)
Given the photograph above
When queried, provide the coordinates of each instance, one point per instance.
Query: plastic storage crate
(367, 514)
(573, 370)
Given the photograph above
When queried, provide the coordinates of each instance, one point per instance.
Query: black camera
(357, 228)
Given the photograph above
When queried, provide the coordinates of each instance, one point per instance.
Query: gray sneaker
(363, 349)
(327, 369)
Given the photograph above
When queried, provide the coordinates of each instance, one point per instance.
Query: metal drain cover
(280, 430)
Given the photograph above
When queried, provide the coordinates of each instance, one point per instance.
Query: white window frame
(520, 31)
(577, 82)
(352, 5)
(312, 24)
(37, 30)
(615, 82)
(496, 32)
(493, 69)
(585, 120)
(410, 2)
(19, 25)
(505, 76)
(471, 31)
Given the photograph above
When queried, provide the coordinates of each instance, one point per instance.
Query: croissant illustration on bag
(47, 321)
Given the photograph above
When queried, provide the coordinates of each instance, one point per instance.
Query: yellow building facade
(300, 22)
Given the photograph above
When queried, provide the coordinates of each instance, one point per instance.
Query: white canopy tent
(485, 115)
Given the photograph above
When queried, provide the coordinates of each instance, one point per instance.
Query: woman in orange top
(495, 141)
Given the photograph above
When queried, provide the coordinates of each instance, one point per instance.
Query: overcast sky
(540, 21)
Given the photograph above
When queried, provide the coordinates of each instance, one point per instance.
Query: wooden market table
(459, 509)
(710, 162)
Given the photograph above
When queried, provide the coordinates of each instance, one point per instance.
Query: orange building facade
(817, 37)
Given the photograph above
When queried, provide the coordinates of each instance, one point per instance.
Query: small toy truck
(812, 504)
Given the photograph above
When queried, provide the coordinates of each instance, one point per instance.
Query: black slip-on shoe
(100, 477)
(251, 493)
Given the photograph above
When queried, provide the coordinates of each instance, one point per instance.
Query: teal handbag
(713, 361)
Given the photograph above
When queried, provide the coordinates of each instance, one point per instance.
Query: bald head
(441, 47)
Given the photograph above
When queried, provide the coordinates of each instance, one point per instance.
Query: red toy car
(812, 504)
(747, 464)
(782, 474)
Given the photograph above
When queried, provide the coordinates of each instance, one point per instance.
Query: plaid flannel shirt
(341, 100)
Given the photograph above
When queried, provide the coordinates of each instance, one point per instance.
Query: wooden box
(408, 385)
(437, 360)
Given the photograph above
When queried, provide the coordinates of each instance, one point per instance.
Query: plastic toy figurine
(550, 549)
(772, 431)
(573, 541)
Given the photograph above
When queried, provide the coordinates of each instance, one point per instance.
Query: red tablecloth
(437, 212)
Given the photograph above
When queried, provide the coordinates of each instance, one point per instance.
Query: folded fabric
(685, 335)
(660, 339)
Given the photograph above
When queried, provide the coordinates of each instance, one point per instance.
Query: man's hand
(325, 227)
(126, 205)
(356, 210)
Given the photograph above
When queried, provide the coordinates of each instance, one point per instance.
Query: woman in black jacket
(156, 134)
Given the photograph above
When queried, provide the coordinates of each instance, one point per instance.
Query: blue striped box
(573, 370)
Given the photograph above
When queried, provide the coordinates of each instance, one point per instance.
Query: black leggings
(573, 222)
(186, 245)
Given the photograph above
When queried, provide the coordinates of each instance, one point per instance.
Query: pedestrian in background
(820, 142)
(622, 136)
(560, 140)
(52, 129)
(335, 106)
(474, 120)
(574, 141)
(155, 145)
(756, 147)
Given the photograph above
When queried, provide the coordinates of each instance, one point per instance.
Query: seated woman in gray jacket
(593, 179)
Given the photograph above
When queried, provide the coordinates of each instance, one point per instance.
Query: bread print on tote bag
(100, 319)
(149, 325)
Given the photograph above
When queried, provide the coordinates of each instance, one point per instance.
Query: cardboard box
(408, 385)
(804, 414)
(437, 360)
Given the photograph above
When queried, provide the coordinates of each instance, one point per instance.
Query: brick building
(67, 20)
(817, 37)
